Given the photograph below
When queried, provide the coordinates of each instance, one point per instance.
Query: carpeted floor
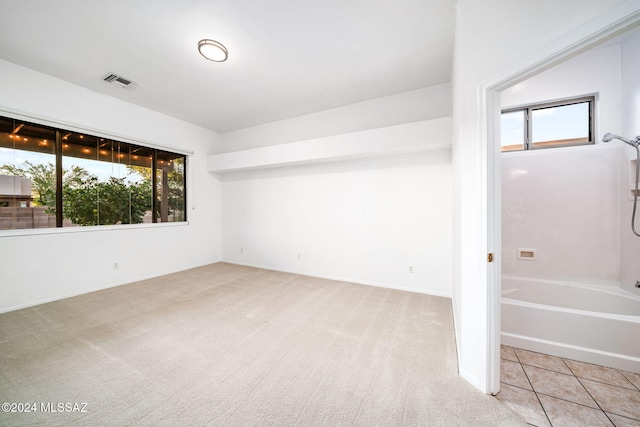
(226, 345)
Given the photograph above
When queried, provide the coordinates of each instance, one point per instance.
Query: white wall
(495, 39)
(37, 268)
(363, 221)
(413, 106)
(630, 267)
(565, 203)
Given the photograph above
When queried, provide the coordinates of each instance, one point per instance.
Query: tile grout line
(596, 402)
(607, 384)
(533, 389)
(619, 371)
(585, 388)
(610, 385)
(626, 378)
(633, 385)
(588, 379)
(572, 374)
(563, 399)
(571, 401)
(601, 382)
(625, 417)
(634, 388)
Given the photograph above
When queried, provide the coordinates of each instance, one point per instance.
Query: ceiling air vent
(119, 81)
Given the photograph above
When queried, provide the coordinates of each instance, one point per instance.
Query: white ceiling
(286, 57)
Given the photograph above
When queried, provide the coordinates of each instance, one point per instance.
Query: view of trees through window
(57, 178)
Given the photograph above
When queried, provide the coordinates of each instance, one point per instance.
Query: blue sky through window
(564, 122)
(558, 123)
(513, 128)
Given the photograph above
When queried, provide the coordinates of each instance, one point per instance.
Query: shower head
(607, 137)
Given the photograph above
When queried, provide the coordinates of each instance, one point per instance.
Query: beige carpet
(226, 345)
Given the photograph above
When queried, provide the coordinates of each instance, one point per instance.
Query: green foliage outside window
(86, 200)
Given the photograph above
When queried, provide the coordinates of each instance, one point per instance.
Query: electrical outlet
(116, 265)
(241, 250)
(299, 257)
(411, 269)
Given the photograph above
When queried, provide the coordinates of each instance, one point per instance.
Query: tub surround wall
(581, 205)
(565, 204)
(630, 253)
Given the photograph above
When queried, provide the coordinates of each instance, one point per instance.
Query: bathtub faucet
(637, 283)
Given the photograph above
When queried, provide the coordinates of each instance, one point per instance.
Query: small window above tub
(563, 123)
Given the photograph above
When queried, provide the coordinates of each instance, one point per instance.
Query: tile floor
(552, 391)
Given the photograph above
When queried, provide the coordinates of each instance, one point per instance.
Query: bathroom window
(554, 124)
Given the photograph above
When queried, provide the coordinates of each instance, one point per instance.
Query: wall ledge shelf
(427, 135)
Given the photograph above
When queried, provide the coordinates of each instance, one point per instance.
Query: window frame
(528, 127)
(61, 127)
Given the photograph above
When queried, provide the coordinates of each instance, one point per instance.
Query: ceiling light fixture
(213, 50)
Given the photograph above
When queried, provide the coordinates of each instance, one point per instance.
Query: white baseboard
(342, 279)
(99, 288)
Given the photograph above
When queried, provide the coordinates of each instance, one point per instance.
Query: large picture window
(52, 177)
(554, 124)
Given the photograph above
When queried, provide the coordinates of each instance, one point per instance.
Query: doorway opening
(563, 51)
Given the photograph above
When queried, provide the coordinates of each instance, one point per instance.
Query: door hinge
(490, 257)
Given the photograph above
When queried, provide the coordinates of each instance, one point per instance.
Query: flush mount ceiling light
(213, 50)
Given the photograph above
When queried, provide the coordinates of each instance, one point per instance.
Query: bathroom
(566, 218)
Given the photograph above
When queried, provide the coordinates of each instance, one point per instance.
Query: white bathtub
(594, 324)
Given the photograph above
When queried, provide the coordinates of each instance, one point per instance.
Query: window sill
(86, 229)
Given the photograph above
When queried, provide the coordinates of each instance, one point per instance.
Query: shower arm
(635, 142)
